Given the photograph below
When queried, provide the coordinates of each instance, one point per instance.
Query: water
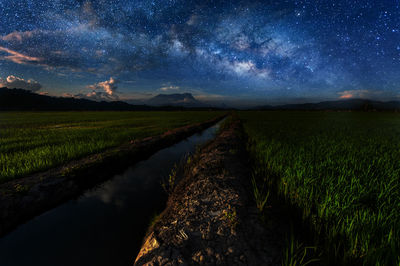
(106, 225)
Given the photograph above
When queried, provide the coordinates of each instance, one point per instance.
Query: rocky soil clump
(210, 217)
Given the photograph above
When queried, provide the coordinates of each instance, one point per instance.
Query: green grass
(342, 170)
(35, 141)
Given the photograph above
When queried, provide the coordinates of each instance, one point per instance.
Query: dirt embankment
(210, 217)
(27, 197)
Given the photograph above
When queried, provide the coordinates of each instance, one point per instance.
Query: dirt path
(210, 217)
(27, 197)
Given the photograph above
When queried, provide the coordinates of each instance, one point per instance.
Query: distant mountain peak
(175, 99)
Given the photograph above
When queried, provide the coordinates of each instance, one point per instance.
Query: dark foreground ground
(210, 217)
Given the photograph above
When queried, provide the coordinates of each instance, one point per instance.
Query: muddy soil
(210, 218)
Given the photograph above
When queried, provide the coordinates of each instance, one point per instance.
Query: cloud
(67, 95)
(102, 91)
(18, 57)
(93, 95)
(169, 88)
(109, 86)
(17, 36)
(19, 83)
(98, 96)
(349, 94)
(346, 96)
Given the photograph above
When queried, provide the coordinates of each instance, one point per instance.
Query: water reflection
(106, 225)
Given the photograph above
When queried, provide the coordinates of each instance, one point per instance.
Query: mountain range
(24, 100)
(21, 100)
(18, 100)
(350, 104)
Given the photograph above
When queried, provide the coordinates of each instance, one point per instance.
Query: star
(230, 48)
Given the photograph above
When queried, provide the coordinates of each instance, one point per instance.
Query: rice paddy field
(342, 170)
(36, 141)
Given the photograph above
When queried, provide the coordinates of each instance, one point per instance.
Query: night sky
(249, 51)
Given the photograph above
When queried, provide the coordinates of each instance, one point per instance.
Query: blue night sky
(232, 51)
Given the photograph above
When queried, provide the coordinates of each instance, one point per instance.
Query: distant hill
(177, 99)
(18, 100)
(351, 104)
(23, 100)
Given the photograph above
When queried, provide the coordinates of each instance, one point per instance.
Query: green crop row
(342, 170)
(36, 141)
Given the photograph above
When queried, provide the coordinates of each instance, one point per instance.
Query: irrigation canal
(104, 226)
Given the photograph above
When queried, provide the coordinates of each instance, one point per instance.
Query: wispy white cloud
(170, 88)
(17, 57)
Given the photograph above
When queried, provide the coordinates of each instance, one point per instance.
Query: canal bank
(211, 217)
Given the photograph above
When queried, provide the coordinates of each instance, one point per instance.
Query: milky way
(273, 51)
